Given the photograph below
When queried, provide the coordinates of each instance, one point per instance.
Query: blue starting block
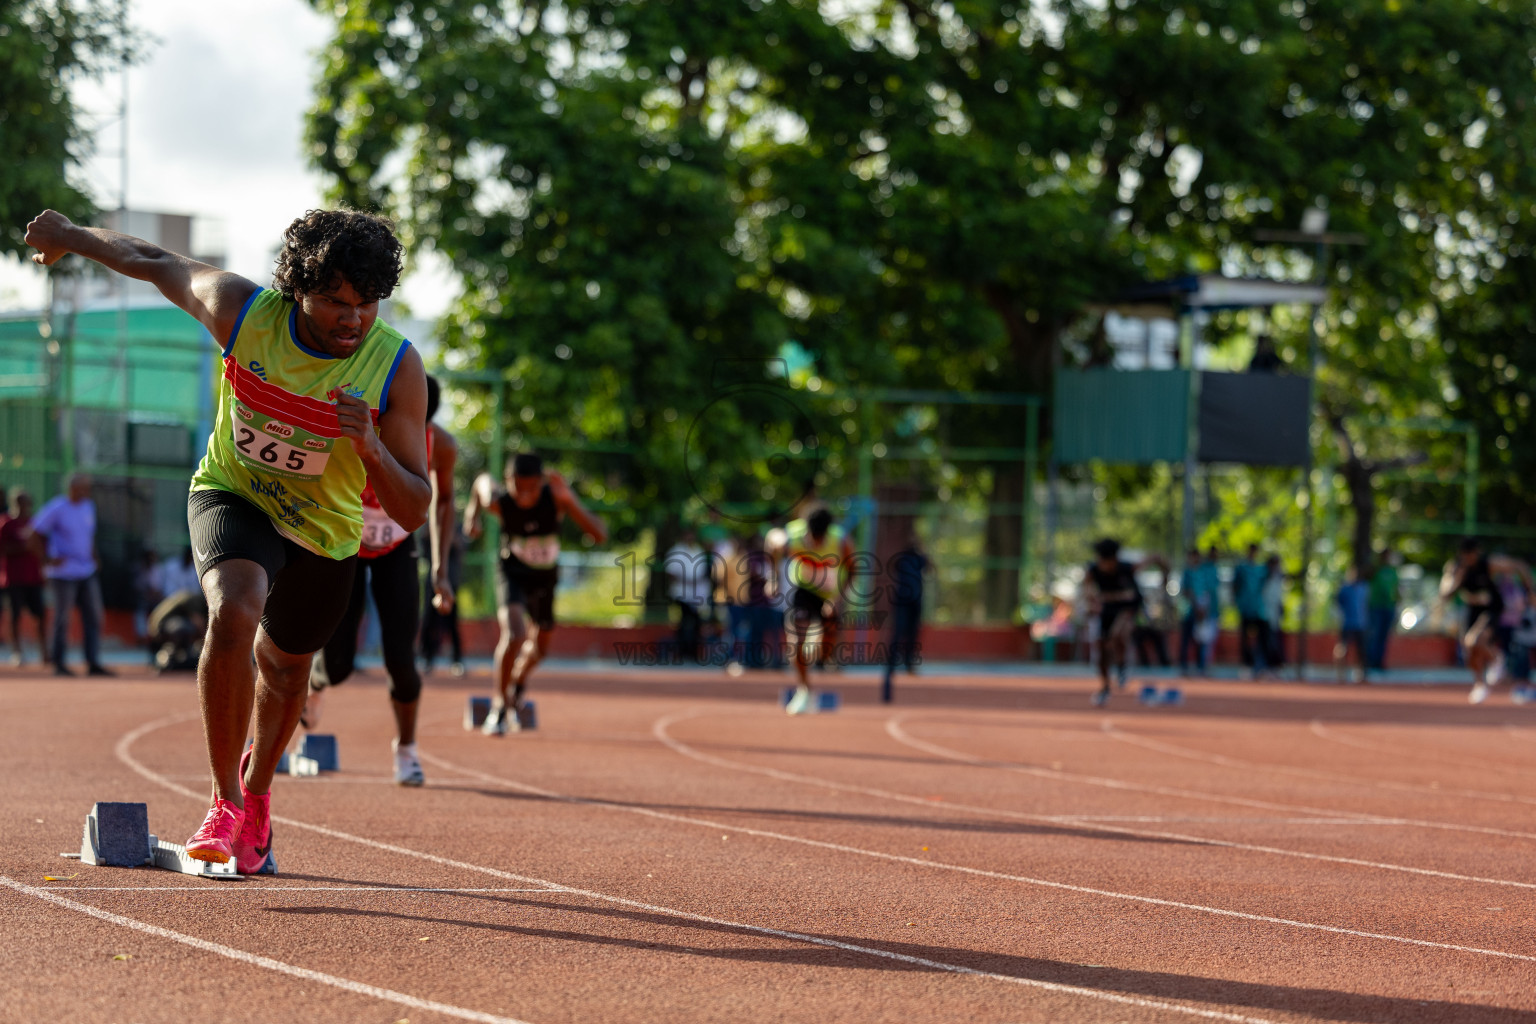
(527, 716)
(321, 749)
(476, 711)
(826, 700)
(117, 835)
(1153, 697)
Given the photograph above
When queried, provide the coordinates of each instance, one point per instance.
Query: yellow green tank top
(276, 441)
(814, 566)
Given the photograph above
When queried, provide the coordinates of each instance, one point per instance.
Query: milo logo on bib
(278, 448)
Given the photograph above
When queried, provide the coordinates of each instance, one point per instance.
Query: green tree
(923, 194)
(44, 46)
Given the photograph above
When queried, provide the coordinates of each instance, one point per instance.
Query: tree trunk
(1360, 479)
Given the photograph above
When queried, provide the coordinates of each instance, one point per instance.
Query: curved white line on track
(1093, 824)
(264, 962)
(900, 735)
(1323, 732)
(1109, 729)
(124, 754)
(686, 751)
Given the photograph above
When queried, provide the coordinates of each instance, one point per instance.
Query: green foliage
(927, 195)
(44, 45)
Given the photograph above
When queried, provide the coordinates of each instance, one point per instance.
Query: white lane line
(894, 728)
(1109, 729)
(1322, 731)
(297, 890)
(267, 963)
(687, 751)
(960, 868)
(124, 754)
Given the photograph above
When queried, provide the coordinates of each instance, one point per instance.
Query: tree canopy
(928, 195)
(44, 45)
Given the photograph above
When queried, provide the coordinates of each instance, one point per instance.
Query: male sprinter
(1472, 573)
(818, 556)
(1111, 589)
(530, 508)
(318, 397)
(387, 565)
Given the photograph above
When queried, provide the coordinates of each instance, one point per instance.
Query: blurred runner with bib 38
(318, 398)
(530, 508)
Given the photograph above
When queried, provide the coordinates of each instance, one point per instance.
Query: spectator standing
(1383, 610)
(908, 566)
(69, 523)
(765, 636)
(5, 517)
(729, 567)
(22, 568)
(1354, 602)
(1274, 612)
(1248, 594)
(687, 568)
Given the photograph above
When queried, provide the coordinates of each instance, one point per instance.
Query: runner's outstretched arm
(396, 455)
(566, 501)
(445, 455)
(213, 296)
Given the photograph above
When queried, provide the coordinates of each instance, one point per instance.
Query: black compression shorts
(307, 594)
(809, 603)
(534, 589)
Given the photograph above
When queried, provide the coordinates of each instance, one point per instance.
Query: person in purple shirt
(69, 524)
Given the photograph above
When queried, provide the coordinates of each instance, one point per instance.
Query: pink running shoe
(253, 843)
(214, 842)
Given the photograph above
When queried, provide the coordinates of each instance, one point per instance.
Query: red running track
(672, 847)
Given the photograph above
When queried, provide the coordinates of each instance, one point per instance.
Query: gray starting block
(826, 700)
(475, 712)
(319, 748)
(117, 835)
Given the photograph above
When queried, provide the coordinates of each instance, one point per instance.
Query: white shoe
(495, 721)
(1479, 693)
(1495, 673)
(801, 703)
(407, 764)
(456, 669)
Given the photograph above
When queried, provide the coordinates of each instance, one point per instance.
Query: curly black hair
(324, 244)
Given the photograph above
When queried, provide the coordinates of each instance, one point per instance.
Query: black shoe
(60, 670)
(101, 670)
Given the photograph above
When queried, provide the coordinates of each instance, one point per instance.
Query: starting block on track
(826, 700)
(1152, 697)
(117, 835)
(527, 717)
(475, 712)
(322, 750)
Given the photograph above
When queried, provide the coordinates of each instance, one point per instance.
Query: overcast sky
(215, 128)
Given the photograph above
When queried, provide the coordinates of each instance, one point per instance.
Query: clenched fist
(49, 234)
(356, 419)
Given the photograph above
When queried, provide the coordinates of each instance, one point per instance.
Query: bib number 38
(277, 456)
